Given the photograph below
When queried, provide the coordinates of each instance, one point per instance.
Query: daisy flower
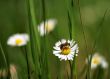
(48, 27)
(18, 40)
(65, 49)
(98, 60)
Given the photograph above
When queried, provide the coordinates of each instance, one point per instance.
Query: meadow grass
(36, 59)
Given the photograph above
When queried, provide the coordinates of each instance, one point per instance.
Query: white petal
(63, 41)
(59, 56)
(76, 54)
(11, 41)
(41, 30)
(69, 41)
(56, 48)
(49, 24)
(77, 51)
(93, 66)
(26, 36)
(52, 21)
(70, 57)
(72, 53)
(62, 57)
(72, 43)
(104, 64)
(75, 47)
(55, 52)
(58, 43)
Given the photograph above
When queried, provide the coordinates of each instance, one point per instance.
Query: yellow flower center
(19, 41)
(65, 50)
(48, 27)
(96, 60)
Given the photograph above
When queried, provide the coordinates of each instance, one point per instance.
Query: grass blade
(34, 36)
(100, 28)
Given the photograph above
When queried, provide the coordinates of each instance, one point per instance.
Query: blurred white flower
(65, 50)
(13, 72)
(97, 60)
(18, 40)
(47, 27)
(3, 73)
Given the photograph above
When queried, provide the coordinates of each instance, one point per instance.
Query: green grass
(85, 21)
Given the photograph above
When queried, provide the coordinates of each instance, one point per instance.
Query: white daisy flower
(97, 60)
(48, 27)
(65, 50)
(18, 40)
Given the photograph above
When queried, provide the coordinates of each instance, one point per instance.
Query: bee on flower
(47, 26)
(98, 60)
(65, 49)
(18, 40)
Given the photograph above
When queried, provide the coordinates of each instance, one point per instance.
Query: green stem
(75, 69)
(31, 12)
(83, 31)
(34, 36)
(27, 62)
(71, 70)
(5, 59)
(47, 75)
(70, 26)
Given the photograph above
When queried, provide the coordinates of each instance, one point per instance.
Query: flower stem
(5, 59)
(26, 56)
(71, 70)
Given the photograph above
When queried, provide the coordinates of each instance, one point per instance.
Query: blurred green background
(13, 19)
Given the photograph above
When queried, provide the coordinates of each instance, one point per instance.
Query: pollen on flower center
(18, 41)
(48, 27)
(65, 50)
(96, 61)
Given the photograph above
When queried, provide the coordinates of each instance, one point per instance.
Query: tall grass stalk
(3, 54)
(44, 54)
(71, 67)
(70, 14)
(86, 47)
(30, 61)
(99, 30)
(82, 25)
(70, 26)
(99, 73)
(5, 60)
(34, 37)
(27, 62)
